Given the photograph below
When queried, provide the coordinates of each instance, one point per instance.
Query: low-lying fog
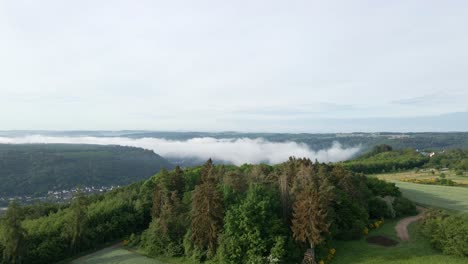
(232, 150)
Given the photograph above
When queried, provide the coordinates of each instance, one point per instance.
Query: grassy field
(445, 197)
(115, 255)
(452, 198)
(414, 251)
(424, 175)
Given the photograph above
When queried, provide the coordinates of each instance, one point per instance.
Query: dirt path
(402, 227)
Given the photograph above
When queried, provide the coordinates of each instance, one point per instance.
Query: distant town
(56, 196)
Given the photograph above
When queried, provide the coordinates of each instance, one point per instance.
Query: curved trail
(402, 227)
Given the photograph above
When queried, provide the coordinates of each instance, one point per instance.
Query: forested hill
(383, 158)
(38, 168)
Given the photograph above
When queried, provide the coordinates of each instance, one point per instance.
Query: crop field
(414, 251)
(115, 255)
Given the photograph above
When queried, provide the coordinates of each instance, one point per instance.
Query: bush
(134, 240)
(447, 233)
(378, 208)
(382, 188)
(403, 207)
(350, 218)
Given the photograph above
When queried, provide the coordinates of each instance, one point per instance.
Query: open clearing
(115, 255)
(414, 251)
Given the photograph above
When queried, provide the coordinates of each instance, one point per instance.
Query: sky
(264, 66)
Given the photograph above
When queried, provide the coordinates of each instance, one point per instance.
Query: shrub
(365, 232)
(404, 207)
(447, 233)
(382, 188)
(349, 218)
(134, 240)
(378, 208)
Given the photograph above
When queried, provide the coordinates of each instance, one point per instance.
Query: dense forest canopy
(38, 168)
(222, 213)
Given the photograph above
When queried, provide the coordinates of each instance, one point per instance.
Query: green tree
(168, 225)
(253, 229)
(285, 180)
(166, 231)
(78, 221)
(13, 234)
(207, 216)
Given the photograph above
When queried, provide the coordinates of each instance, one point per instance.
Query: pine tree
(310, 223)
(207, 170)
(158, 201)
(171, 212)
(305, 173)
(178, 181)
(167, 184)
(284, 182)
(207, 216)
(236, 181)
(14, 234)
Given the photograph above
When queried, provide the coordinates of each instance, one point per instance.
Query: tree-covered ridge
(86, 223)
(383, 158)
(38, 168)
(225, 214)
(388, 161)
(456, 159)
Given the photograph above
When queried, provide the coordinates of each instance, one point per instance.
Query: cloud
(437, 98)
(233, 150)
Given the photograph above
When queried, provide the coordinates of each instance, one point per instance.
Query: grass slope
(414, 251)
(445, 197)
(115, 255)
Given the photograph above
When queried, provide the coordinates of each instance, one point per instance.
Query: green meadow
(452, 198)
(445, 197)
(415, 251)
(115, 255)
